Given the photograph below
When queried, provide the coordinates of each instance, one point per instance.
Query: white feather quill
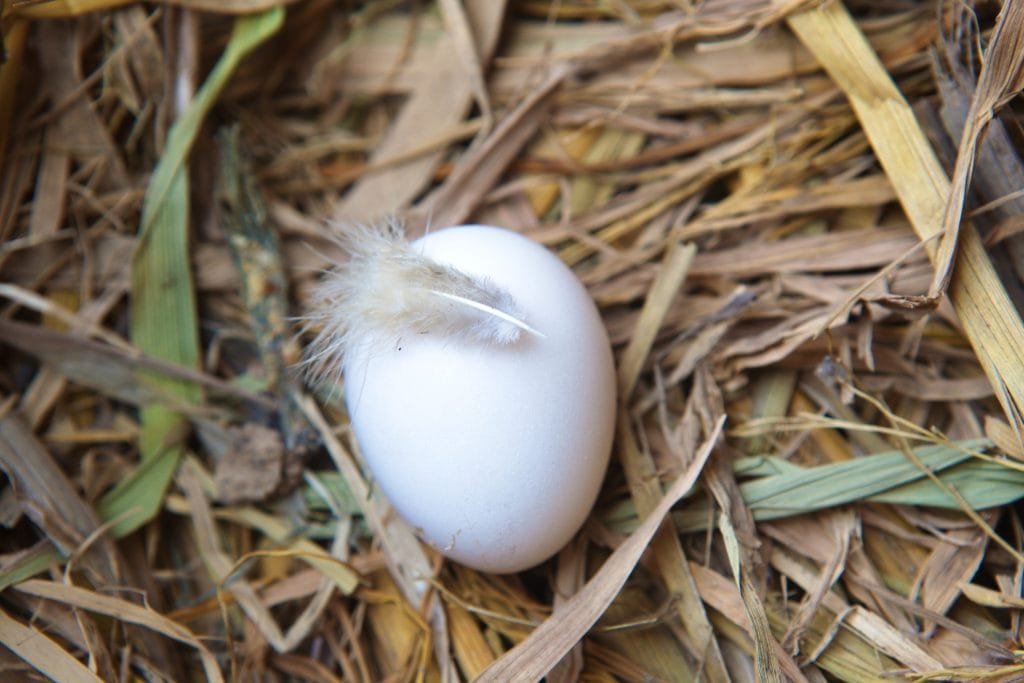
(387, 291)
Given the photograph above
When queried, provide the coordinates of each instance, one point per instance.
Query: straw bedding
(800, 220)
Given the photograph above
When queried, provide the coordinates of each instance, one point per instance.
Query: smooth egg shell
(493, 453)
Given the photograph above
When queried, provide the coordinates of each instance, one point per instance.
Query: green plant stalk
(163, 308)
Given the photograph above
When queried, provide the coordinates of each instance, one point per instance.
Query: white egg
(493, 453)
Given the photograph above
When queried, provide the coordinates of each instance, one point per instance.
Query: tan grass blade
(843, 654)
(645, 489)
(458, 26)
(550, 641)
(1002, 76)
(610, 146)
(953, 561)
(670, 278)
(122, 610)
(769, 669)
(479, 169)
(224, 571)
(51, 501)
(991, 598)
(407, 562)
(638, 464)
(390, 190)
(867, 624)
(41, 653)
(220, 565)
(80, 134)
(989, 318)
(278, 531)
(470, 647)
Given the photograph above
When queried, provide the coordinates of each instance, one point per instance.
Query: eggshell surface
(493, 453)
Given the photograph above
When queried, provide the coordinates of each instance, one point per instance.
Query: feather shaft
(490, 310)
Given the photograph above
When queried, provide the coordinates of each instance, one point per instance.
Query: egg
(493, 452)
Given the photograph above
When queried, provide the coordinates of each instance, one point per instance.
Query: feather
(387, 290)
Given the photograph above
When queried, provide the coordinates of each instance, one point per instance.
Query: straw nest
(800, 220)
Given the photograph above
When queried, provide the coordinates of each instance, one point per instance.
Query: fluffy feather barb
(387, 291)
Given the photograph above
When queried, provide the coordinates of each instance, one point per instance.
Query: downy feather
(387, 291)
